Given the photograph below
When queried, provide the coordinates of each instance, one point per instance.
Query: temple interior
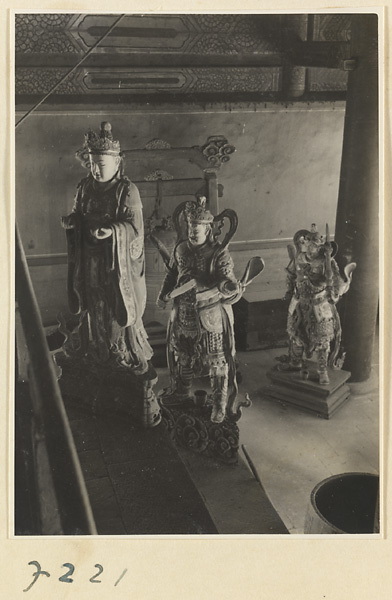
(274, 117)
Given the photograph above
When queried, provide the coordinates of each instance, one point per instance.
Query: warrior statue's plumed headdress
(197, 212)
(313, 236)
(102, 143)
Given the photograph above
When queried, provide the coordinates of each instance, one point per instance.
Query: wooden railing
(62, 496)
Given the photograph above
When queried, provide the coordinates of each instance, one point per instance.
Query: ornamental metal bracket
(209, 157)
(217, 150)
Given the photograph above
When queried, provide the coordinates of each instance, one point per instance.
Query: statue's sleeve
(131, 212)
(128, 255)
(68, 222)
(131, 208)
(73, 226)
(76, 204)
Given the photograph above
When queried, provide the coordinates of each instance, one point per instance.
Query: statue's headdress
(313, 236)
(196, 212)
(102, 142)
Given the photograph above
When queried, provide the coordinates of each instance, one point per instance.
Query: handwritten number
(121, 576)
(36, 574)
(65, 578)
(94, 579)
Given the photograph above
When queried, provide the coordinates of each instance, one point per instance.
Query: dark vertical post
(357, 213)
(212, 190)
(294, 75)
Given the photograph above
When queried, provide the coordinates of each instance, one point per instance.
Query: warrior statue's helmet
(313, 236)
(309, 236)
(197, 212)
(102, 142)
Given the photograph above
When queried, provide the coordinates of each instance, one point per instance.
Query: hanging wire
(71, 71)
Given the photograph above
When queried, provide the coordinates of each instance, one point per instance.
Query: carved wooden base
(289, 387)
(190, 426)
(104, 389)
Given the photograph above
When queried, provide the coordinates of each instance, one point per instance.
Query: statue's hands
(161, 303)
(228, 288)
(333, 298)
(232, 286)
(101, 233)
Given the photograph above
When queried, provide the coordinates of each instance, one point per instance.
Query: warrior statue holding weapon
(201, 282)
(314, 286)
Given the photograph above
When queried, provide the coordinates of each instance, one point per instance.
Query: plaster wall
(283, 177)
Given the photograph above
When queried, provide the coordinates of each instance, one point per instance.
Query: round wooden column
(357, 219)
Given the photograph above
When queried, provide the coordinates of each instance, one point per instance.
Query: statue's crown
(312, 235)
(102, 142)
(315, 235)
(196, 211)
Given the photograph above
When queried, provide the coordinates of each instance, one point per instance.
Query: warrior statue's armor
(314, 286)
(201, 281)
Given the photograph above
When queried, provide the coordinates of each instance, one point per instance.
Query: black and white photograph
(198, 301)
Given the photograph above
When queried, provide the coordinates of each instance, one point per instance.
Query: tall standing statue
(314, 287)
(201, 282)
(106, 270)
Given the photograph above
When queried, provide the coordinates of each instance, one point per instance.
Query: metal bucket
(346, 503)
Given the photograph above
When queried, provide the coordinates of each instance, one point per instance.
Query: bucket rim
(330, 478)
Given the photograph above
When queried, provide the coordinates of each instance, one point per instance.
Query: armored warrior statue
(106, 273)
(314, 286)
(201, 282)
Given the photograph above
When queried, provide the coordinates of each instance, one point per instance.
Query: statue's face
(303, 243)
(197, 233)
(313, 250)
(104, 166)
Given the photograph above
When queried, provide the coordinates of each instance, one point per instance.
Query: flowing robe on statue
(106, 277)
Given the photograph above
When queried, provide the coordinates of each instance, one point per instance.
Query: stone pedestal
(104, 389)
(289, 387)
(190, 427)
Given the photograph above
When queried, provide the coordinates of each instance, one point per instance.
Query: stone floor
(291, 450)
(139, 483)
(135, 480)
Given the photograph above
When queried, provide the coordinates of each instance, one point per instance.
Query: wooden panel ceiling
(180, 57)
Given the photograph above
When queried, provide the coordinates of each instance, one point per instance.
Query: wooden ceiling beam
(151, 60)
(329, 55)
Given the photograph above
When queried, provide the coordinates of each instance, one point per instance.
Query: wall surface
(283, 177)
